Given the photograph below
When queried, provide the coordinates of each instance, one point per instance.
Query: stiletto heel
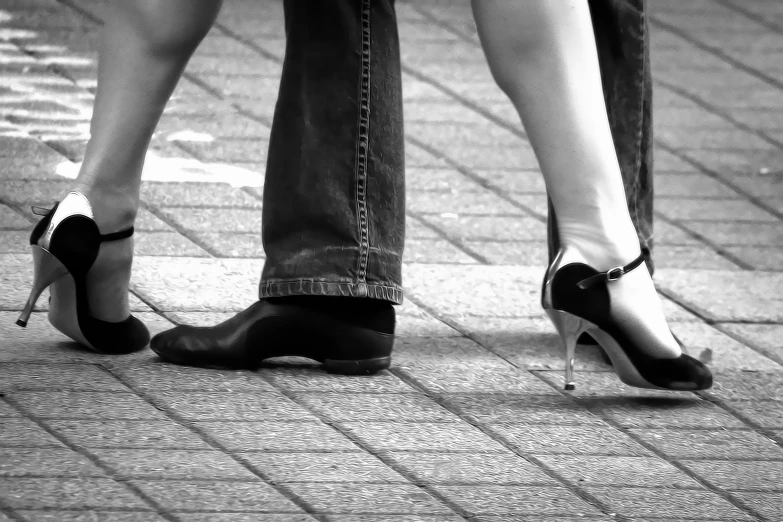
(66, 242)
(578, 300)
(47, 269)
(570, 327)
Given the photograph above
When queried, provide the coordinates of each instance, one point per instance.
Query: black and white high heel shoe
(65, 245)
(578, 299)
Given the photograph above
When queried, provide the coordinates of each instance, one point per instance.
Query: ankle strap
(116, 236)
(610, 275)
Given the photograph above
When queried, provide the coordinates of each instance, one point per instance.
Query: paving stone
(769, 505)
(666, 503)
(671, 186)
(89, 516)
(418, 352)
(735, 233)
(664, 413)
(375, 407)
(706, 209)
(19, 376)
(6, 410)
(726, 296)
(231, 284)
(10, 219)
(21, 432)
(460, 290)
(229, 244)
(243, 517)
(86, 405)
(315, 381)
(767, 414)
(509, 408)
(172, 464)
(644, 472)
(764, 338)
(322, 467)
(441, 380)
(683, 256)
(566, 440)
(456, 469)
(412, 321)
(14, 241)
(711, 444)
(166, 244)
(60, 462)
(231, 406)
(528, 253)
(476, 203)
(439, 180)
(197, 195)
(165, 377)
(517, 500)
(214, 219)
(276, 436)
(368, 499)
(177, 495)
(127, 434)
(491, 228)
(67, 493)
(420, 436)
(758, 258)
(718, 350)
(737, 476)
(435, 251)
(730, 385)
(391, 518)
(523, 182)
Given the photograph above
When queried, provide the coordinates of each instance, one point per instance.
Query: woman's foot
(89, 298)
(619, 307)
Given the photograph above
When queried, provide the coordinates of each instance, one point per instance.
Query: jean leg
(334, 197)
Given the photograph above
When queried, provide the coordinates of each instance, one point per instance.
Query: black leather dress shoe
(346, 344)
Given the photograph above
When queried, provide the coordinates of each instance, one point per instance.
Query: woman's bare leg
(543, 55)
(144, 49)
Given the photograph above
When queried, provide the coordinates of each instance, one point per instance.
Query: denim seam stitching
(362, 146)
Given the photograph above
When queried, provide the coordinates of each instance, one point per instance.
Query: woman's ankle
(601, 247)
(114, 209)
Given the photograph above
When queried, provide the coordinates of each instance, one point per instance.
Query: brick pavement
(470, 423)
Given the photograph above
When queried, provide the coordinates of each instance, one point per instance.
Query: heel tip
(570, 387)
(21, 323)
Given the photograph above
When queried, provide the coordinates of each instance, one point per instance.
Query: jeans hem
(294, 287)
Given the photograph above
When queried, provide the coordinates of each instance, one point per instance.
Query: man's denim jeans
(334, 198)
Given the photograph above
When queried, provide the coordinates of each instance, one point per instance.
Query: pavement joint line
(661, 455)
(250, 44)
(717, 177)
(716, 52)
(336, 425)
(706, 241)
(210, 441)
(454, 241)
(769, 354)
(753, 425)
(163, 216)
(86, 453)
(566, 484)
(465, 171)
(712, 109)
(772, 26)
